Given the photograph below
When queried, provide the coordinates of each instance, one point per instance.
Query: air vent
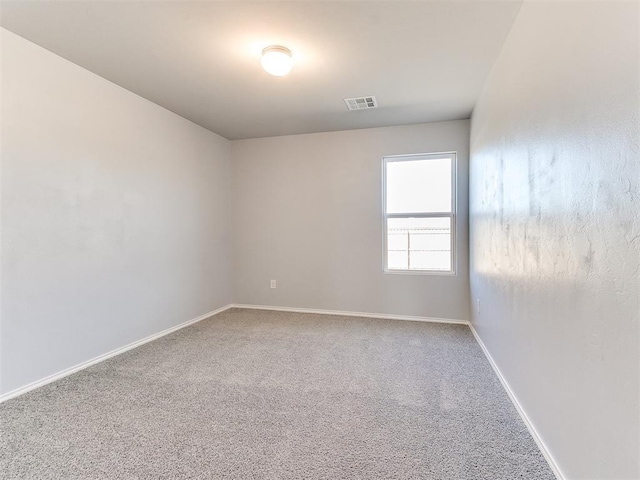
(361, 103)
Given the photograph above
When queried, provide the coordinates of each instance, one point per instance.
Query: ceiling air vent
(361, 103)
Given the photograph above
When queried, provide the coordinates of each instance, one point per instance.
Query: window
(419, 213)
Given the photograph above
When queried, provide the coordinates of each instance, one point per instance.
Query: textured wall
(555, 229)
(115, 216)
(307, 212)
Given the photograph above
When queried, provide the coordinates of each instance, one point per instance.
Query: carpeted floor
(252, 394)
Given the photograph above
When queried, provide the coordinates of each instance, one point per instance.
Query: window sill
(420, 272)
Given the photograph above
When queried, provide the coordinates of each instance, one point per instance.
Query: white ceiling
(423, 60)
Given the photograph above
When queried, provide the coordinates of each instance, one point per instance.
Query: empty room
(320, 239)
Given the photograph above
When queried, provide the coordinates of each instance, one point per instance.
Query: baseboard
(523, 414)
(98, 359)
(353, 314)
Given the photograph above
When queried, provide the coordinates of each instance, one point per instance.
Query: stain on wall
(555, 229)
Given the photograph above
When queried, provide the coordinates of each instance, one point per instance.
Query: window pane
(398, 260)
(419, 244)
(415, 186)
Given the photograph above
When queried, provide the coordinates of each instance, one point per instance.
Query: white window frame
(453, 215)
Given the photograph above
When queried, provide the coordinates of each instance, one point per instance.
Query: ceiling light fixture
(277, 60)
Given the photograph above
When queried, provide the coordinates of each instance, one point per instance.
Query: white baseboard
(353, 314)
(112, 353)
(523, 414)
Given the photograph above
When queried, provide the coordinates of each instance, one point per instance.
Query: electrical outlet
(273, 284)
(477, 305)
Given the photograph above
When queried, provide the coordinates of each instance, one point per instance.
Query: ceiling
(423, 60)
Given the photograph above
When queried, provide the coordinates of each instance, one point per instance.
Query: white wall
(307, 212)
(555, 229)
(115, 216)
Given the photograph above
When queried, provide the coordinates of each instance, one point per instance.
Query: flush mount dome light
(277, 60)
